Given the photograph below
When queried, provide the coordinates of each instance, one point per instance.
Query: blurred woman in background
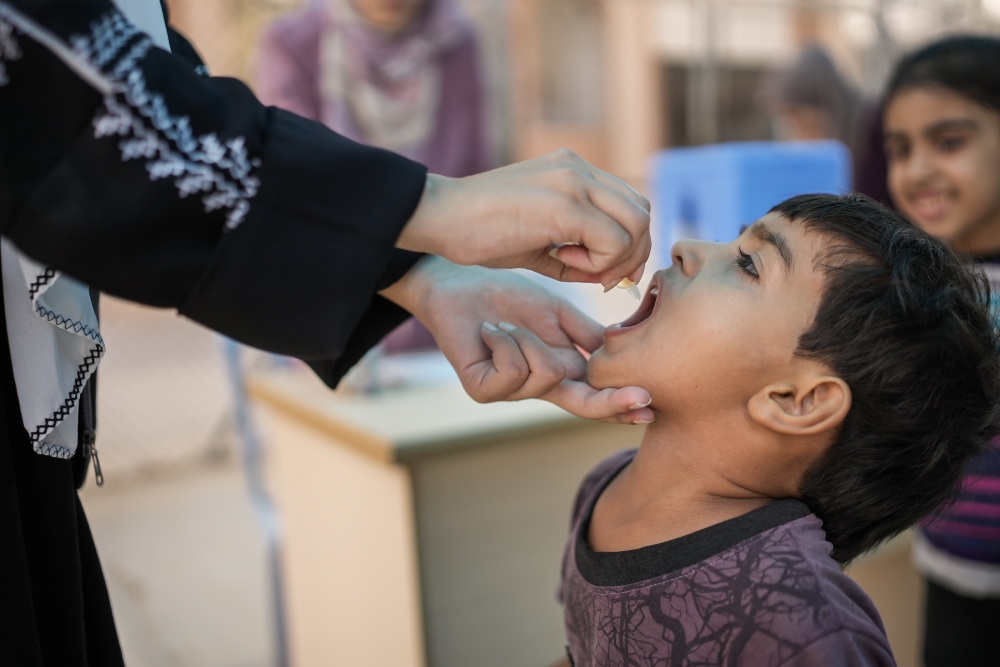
(942, 140)
(402, 75)
(398, 74)
(811, 100)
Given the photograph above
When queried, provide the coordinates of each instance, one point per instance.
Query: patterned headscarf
(384, 89)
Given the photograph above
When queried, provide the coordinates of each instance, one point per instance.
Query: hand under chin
(602, 374)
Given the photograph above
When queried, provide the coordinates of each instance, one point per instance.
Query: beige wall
(225, 32)
(627, 129)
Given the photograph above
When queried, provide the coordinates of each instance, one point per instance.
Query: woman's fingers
(633, 216)
(640, 253)
(580, 329)
(497, 377)
(522, 366)
(548, 265)
(604, 245)
(628, 405)
(609, 235)
(636, 275)
(622, 187)
(592, 241)
(632, 417)
(510, 217)
(603, 177)
(545, 369)
(579, 257)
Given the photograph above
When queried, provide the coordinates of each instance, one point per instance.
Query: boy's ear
(819, 403)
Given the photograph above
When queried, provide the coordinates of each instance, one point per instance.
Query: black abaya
(54, 606)
(183, 191)
(284, 249)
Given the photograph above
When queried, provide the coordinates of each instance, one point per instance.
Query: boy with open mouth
(818, 385)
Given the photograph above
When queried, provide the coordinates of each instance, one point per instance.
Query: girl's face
(943, 151)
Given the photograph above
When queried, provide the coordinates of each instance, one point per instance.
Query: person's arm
(122, 167)
(182, 191)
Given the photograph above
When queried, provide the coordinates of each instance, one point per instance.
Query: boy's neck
(670, 489)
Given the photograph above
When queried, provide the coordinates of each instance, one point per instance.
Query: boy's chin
(603, 373)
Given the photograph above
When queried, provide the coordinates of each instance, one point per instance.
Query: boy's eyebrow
(760, 231)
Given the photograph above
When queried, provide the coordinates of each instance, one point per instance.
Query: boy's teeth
(654, 290)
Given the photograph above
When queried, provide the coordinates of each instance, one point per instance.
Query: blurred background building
(614, 80)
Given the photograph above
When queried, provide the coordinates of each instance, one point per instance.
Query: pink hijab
(418, 92)
(384, 89)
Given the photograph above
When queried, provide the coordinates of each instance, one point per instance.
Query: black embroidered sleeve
(135, 174)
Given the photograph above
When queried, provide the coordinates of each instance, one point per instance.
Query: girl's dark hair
(906, 323)
(968, 65)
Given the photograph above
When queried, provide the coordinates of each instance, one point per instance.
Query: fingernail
(554, 253)
(636, 406)
(637, 422)
(489, 327)
(506, 326)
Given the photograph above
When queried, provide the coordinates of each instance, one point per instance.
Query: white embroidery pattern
(69, 325)
(83, 372)
(205, 164)
(108, 36)
(9, 49)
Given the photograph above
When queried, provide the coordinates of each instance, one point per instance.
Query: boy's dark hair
(906, 323)
(968, 65)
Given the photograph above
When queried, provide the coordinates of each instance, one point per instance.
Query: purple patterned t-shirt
(757, 590)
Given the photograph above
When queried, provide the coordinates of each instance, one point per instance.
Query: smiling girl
(942, 140)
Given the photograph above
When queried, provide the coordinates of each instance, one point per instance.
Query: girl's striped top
(960, 548)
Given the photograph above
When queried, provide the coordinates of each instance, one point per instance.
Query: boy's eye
(744, 263)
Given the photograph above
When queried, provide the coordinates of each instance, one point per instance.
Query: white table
(422, 528)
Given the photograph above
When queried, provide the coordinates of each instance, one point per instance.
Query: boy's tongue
(645, 310)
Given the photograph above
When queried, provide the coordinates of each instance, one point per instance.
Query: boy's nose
(688, 255)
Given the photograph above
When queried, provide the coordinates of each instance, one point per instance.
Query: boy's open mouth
(645, 310)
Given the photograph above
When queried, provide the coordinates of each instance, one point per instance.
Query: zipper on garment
(98, 476)
(90, 442)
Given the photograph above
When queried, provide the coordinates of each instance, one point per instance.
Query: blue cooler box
(711, 192)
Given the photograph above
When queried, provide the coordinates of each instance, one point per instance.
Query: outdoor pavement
(186, 567)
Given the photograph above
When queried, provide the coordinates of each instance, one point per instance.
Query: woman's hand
(517, 215)
(510, 338)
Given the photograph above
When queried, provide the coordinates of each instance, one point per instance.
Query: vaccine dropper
(631, 288)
